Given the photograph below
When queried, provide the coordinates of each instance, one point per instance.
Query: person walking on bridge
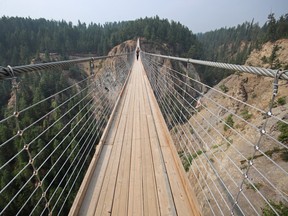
(137, 52)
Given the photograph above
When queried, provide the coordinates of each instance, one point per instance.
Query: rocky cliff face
(111, 73)
(109, 70)
(226, 149)
(172, 77)
(265, 57)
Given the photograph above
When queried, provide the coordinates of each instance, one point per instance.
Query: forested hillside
(23, 38)
(50, 124)
(233, 45)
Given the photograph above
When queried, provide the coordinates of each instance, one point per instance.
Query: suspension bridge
(141, 138)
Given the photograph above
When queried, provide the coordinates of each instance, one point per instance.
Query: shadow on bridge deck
(138, 171)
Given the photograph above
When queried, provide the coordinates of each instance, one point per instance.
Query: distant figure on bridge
(137, 52)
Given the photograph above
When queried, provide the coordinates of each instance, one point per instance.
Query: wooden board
(95, 185)
(150, 205)
(165, 198)
(173, 164)
(104, 204)
(137, 173)
(135, 205)
(120, 199)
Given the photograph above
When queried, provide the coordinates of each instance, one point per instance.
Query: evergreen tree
(271, 28)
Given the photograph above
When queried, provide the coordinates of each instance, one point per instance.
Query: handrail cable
(5, 72)
(23, 130)
(73, 171)
(56, 162)
(158, 90)
(98, 136)
(228, 141)
(234, 67)
(239, 117)
(32, 159)
(76, 157)
(89, 105)
(219, 92)
(206, 156)
(248, 141)
(202, 164)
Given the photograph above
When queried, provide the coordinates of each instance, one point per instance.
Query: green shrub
(175, 130)
(284, 156)
(281, 101)
(280, 208)
(264, 59)
(255, 186)
(229, 122)
(199, 152)
(187, 160)
(223, 88)
(245, 114)
(283, 128)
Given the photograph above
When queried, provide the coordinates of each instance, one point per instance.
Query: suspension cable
(167, 108)
(179, 123)
(18, 70)
(87, 126)
(155, 82)
(263, 153)
(239, 117)
(234, 67)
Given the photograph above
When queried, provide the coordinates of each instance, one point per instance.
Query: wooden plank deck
(138, 171)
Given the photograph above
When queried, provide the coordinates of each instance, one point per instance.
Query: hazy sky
(197, 15)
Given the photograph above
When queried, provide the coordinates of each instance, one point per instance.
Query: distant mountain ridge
(22, 39)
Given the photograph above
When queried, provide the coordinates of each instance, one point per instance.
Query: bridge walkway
(138, 171)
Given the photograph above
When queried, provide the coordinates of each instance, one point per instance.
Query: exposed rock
(257, 91)
(241, 93)
(256, 57)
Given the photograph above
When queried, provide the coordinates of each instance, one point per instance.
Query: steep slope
(271, 54)
(227, 148)
(107, 68)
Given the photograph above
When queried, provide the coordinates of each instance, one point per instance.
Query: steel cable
(158, 90)
(282, 193)
(224, 94)
(159, 96)
(68, 157)
(218, 104)
(179, 123)
(239, 117)
(104, 107)
(21, 111)
(240, 68)
(28, 164)
(166, 107)
(8, 72)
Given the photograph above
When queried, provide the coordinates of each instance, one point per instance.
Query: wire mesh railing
(233, 144)
(50, 124)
